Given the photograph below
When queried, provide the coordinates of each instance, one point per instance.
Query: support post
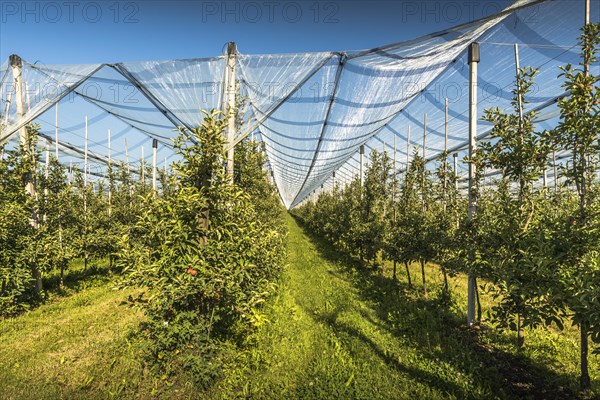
(423, 172)
(587, 12)
(110, 178)
(17, 70)
(56, 133)
(474, 58)
(517, 73)
(408, 148)
(555, 171)
(446, 122)
(456, 171)
(85, 154)
(445, 183)
(231, 92)
(154, 151)
(46, 175)
(362, 163)
(143, 166)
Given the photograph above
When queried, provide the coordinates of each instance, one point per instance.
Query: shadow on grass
(438, 332)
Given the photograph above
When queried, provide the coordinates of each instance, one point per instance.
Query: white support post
(407, 154)
(127, 163)
(362, 164)
(85, 154)
(394, 172)
(424, 134)
(456, 171)
(70, 171)
(517, 73)
(17, 70)
(47, 174)
(154, 151)
(143, 167)
(587, 12)
(423, 172)
(230, 112)
(555, 171)
(110, 178)
(474, 58)
(56, 133)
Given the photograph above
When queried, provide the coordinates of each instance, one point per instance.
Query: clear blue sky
(82, 31)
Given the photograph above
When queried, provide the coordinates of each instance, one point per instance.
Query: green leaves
(203, 252)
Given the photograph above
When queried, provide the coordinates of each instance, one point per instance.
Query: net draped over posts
(312, 111)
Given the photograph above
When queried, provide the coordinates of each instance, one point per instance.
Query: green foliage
(205, 256)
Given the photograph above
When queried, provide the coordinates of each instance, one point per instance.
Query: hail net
(312, 111)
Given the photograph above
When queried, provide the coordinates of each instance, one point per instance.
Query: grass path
(342, 332)
(324, 341)
(333, 331)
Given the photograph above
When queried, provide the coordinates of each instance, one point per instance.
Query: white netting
(313, 111)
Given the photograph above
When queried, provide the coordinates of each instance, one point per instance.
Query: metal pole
(85, 154)
(127, 161)
(445, 183)
(446, 127)
(46, 174)
(56, 133)
(456, 171)
(143, 166)
(555, 173)
(517, 74)
(424, 135)
(394, 170)
(362, 162)
(154, 151)
(423, 172)
(231, 89)
(587, 12)
(109, 179)
(408, 148)
(474, 58)
(17, 70)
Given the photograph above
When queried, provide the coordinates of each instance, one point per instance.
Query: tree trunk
(204, 218)
(62, 274)
(584, 380)
(423, 277)
(478, 300)
(446, 288)
(410, 286)
(520, 338)
(39, 286)
(394, 273)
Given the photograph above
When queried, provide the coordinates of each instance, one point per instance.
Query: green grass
(334, 330)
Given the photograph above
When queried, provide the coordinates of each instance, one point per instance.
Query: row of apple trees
(207, 254)
(52, 216)
(538, 248)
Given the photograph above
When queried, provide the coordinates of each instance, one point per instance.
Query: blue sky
(111, 31)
